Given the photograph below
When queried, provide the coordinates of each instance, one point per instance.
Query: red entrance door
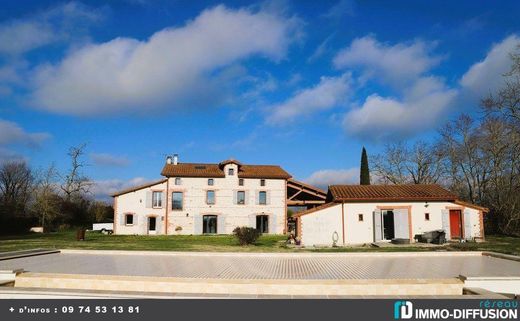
(455, 224)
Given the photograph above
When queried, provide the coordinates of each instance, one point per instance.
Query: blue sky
(302, 84)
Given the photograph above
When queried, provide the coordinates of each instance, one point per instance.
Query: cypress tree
(364, 177)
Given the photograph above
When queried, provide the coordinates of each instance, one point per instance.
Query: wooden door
(455, 224)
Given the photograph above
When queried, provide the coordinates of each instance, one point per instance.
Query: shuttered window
(262, 197)
(241, 197)
(157, 199)
(210, 197)
(129, 219)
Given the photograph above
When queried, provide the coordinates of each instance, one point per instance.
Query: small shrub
(178, 228)
(246, 235)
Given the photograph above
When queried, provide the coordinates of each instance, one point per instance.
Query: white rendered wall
(317, 226)
(135, 203)
(232, 215)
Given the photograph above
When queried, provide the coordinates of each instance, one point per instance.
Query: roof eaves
(136, 188)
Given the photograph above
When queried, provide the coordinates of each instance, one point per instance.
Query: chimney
(175, 159)
(168, 159)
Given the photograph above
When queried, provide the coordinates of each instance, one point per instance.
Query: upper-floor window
(426, 216)
(178, 181)
(262, 182)
(262, 197)
(210, 197)
(360, 217)
(231, 171)
(129, 219)
(157, 199)
(211, 182)
(177, 200)
(240, 182)
(241, 197)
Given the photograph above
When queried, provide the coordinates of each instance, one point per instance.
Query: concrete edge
(501, 256)
(489, 278)
(447, 281)
(20, 254)
(271, 254)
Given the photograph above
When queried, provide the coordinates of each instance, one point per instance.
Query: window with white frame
(241, 197)
(210, 197)
(262, 197)
(157, 199)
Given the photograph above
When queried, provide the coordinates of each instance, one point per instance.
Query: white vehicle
(103, 227)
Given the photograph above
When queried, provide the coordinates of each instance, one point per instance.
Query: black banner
(240, 310)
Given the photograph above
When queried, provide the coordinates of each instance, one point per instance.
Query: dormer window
(231, 171)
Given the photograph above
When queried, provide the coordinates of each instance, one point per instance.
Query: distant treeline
(48, 198)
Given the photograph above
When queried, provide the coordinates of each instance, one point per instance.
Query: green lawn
(219, 243)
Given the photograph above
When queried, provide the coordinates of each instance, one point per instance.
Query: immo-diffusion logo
(486, 309)
(403, 310)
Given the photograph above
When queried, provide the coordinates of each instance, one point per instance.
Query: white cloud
(11, 133)
(104, 159)
(327, 94)
(340, 9)
(325, 177)
(379, 118)
(419, 101)
(102, 189)
(18, 36)
(175, 67)
(486, 76)
(396, 65)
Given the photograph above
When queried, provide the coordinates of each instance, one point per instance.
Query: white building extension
(358, 214)
(205, 199)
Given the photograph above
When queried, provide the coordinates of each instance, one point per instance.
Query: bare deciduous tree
(399, 164)
(75, 183)
(46, 198)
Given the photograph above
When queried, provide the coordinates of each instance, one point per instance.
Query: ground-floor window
(129, 219)
(262, 223)
(209, 224)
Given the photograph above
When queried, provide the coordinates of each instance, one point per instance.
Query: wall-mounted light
(426, 204)
(187, 214)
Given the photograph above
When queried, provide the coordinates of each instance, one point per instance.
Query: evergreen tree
(364, 177)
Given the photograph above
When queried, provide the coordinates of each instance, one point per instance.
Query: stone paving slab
(271, 267)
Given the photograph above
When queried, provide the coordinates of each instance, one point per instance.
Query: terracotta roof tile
(215, 170)
(431, 192)
(192, 170)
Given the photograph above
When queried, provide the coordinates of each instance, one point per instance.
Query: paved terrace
(301, 266)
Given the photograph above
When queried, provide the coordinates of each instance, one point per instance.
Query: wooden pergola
(304, 195)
